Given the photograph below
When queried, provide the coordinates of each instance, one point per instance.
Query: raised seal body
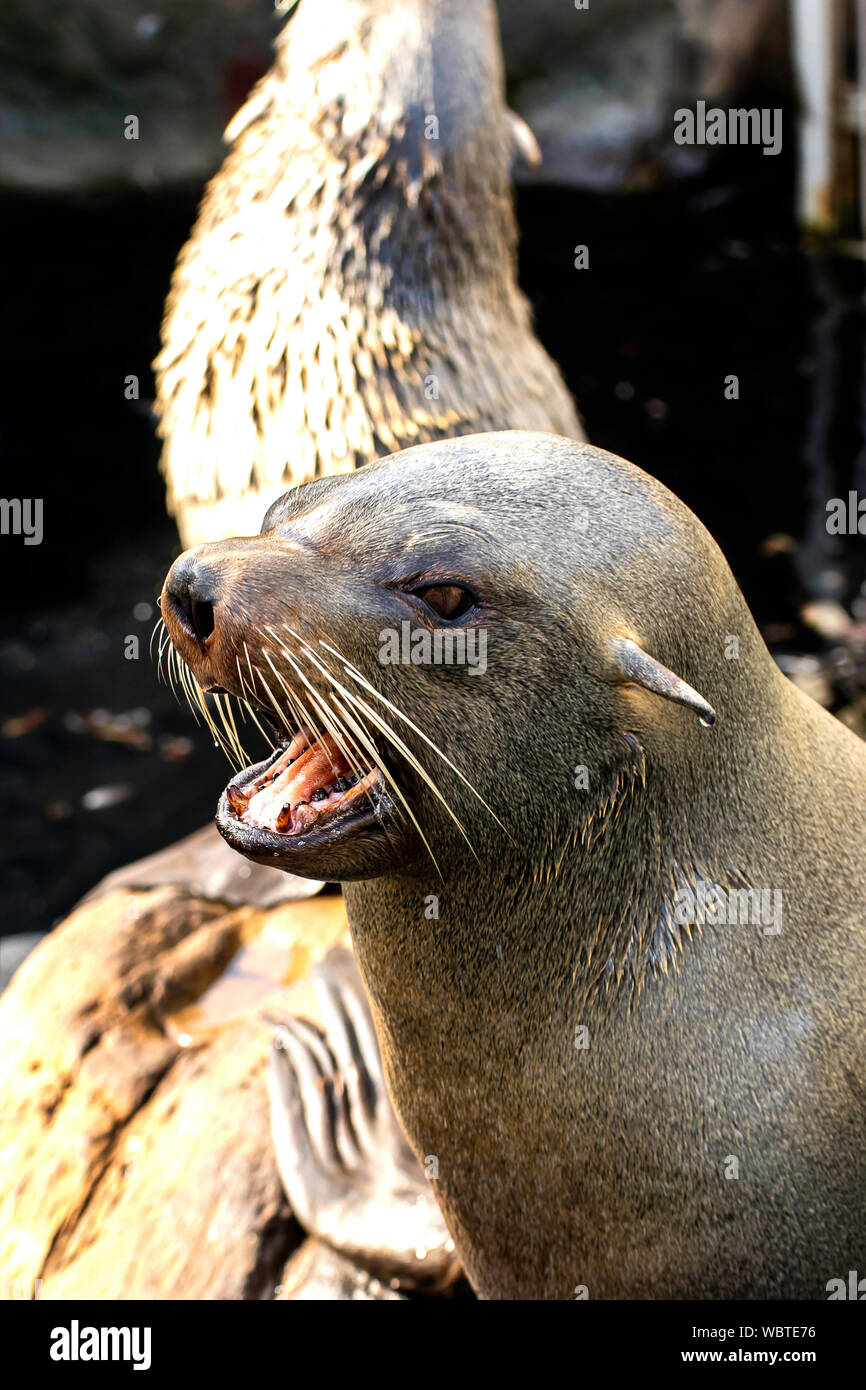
(350, 284)
(628, 1023)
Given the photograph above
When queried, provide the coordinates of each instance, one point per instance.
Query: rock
(70, 78)
(599, 86)
(203, 864)
(827, 618)
(135, 1135)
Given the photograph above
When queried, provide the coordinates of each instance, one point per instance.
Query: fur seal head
(453, 622)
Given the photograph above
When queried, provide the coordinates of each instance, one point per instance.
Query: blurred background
(704, 262)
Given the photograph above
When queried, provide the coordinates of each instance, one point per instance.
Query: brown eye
(448, 601)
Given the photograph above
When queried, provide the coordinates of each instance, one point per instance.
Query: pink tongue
(298, 744)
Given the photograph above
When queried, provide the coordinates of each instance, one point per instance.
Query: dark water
(684, 288)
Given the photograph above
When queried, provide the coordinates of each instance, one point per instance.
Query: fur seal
(620, 1003)
(350, 285)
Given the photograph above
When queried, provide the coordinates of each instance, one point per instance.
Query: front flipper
(347, 1170)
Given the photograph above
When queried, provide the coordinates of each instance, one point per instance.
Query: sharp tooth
(237, 799)
(284, 819)
(305, 816)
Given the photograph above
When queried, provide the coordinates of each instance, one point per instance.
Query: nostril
(186, 591)
(201, 614)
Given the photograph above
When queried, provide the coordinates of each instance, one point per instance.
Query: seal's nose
(190, 593)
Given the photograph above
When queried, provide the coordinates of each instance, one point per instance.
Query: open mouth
(309, 781)
(309, 795)
(322, 804)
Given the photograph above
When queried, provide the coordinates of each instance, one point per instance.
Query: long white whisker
(225, 713)
(363, 734)
(336, 727)
(392, 783)
(356, 676)
(390, 735)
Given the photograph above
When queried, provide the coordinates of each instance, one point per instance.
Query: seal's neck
(386, 155)
(612, 898)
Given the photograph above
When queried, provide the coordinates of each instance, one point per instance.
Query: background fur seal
(707, 1141)
(350, 285)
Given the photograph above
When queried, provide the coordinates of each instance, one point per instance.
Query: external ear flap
(633, 664)
(524, 141)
